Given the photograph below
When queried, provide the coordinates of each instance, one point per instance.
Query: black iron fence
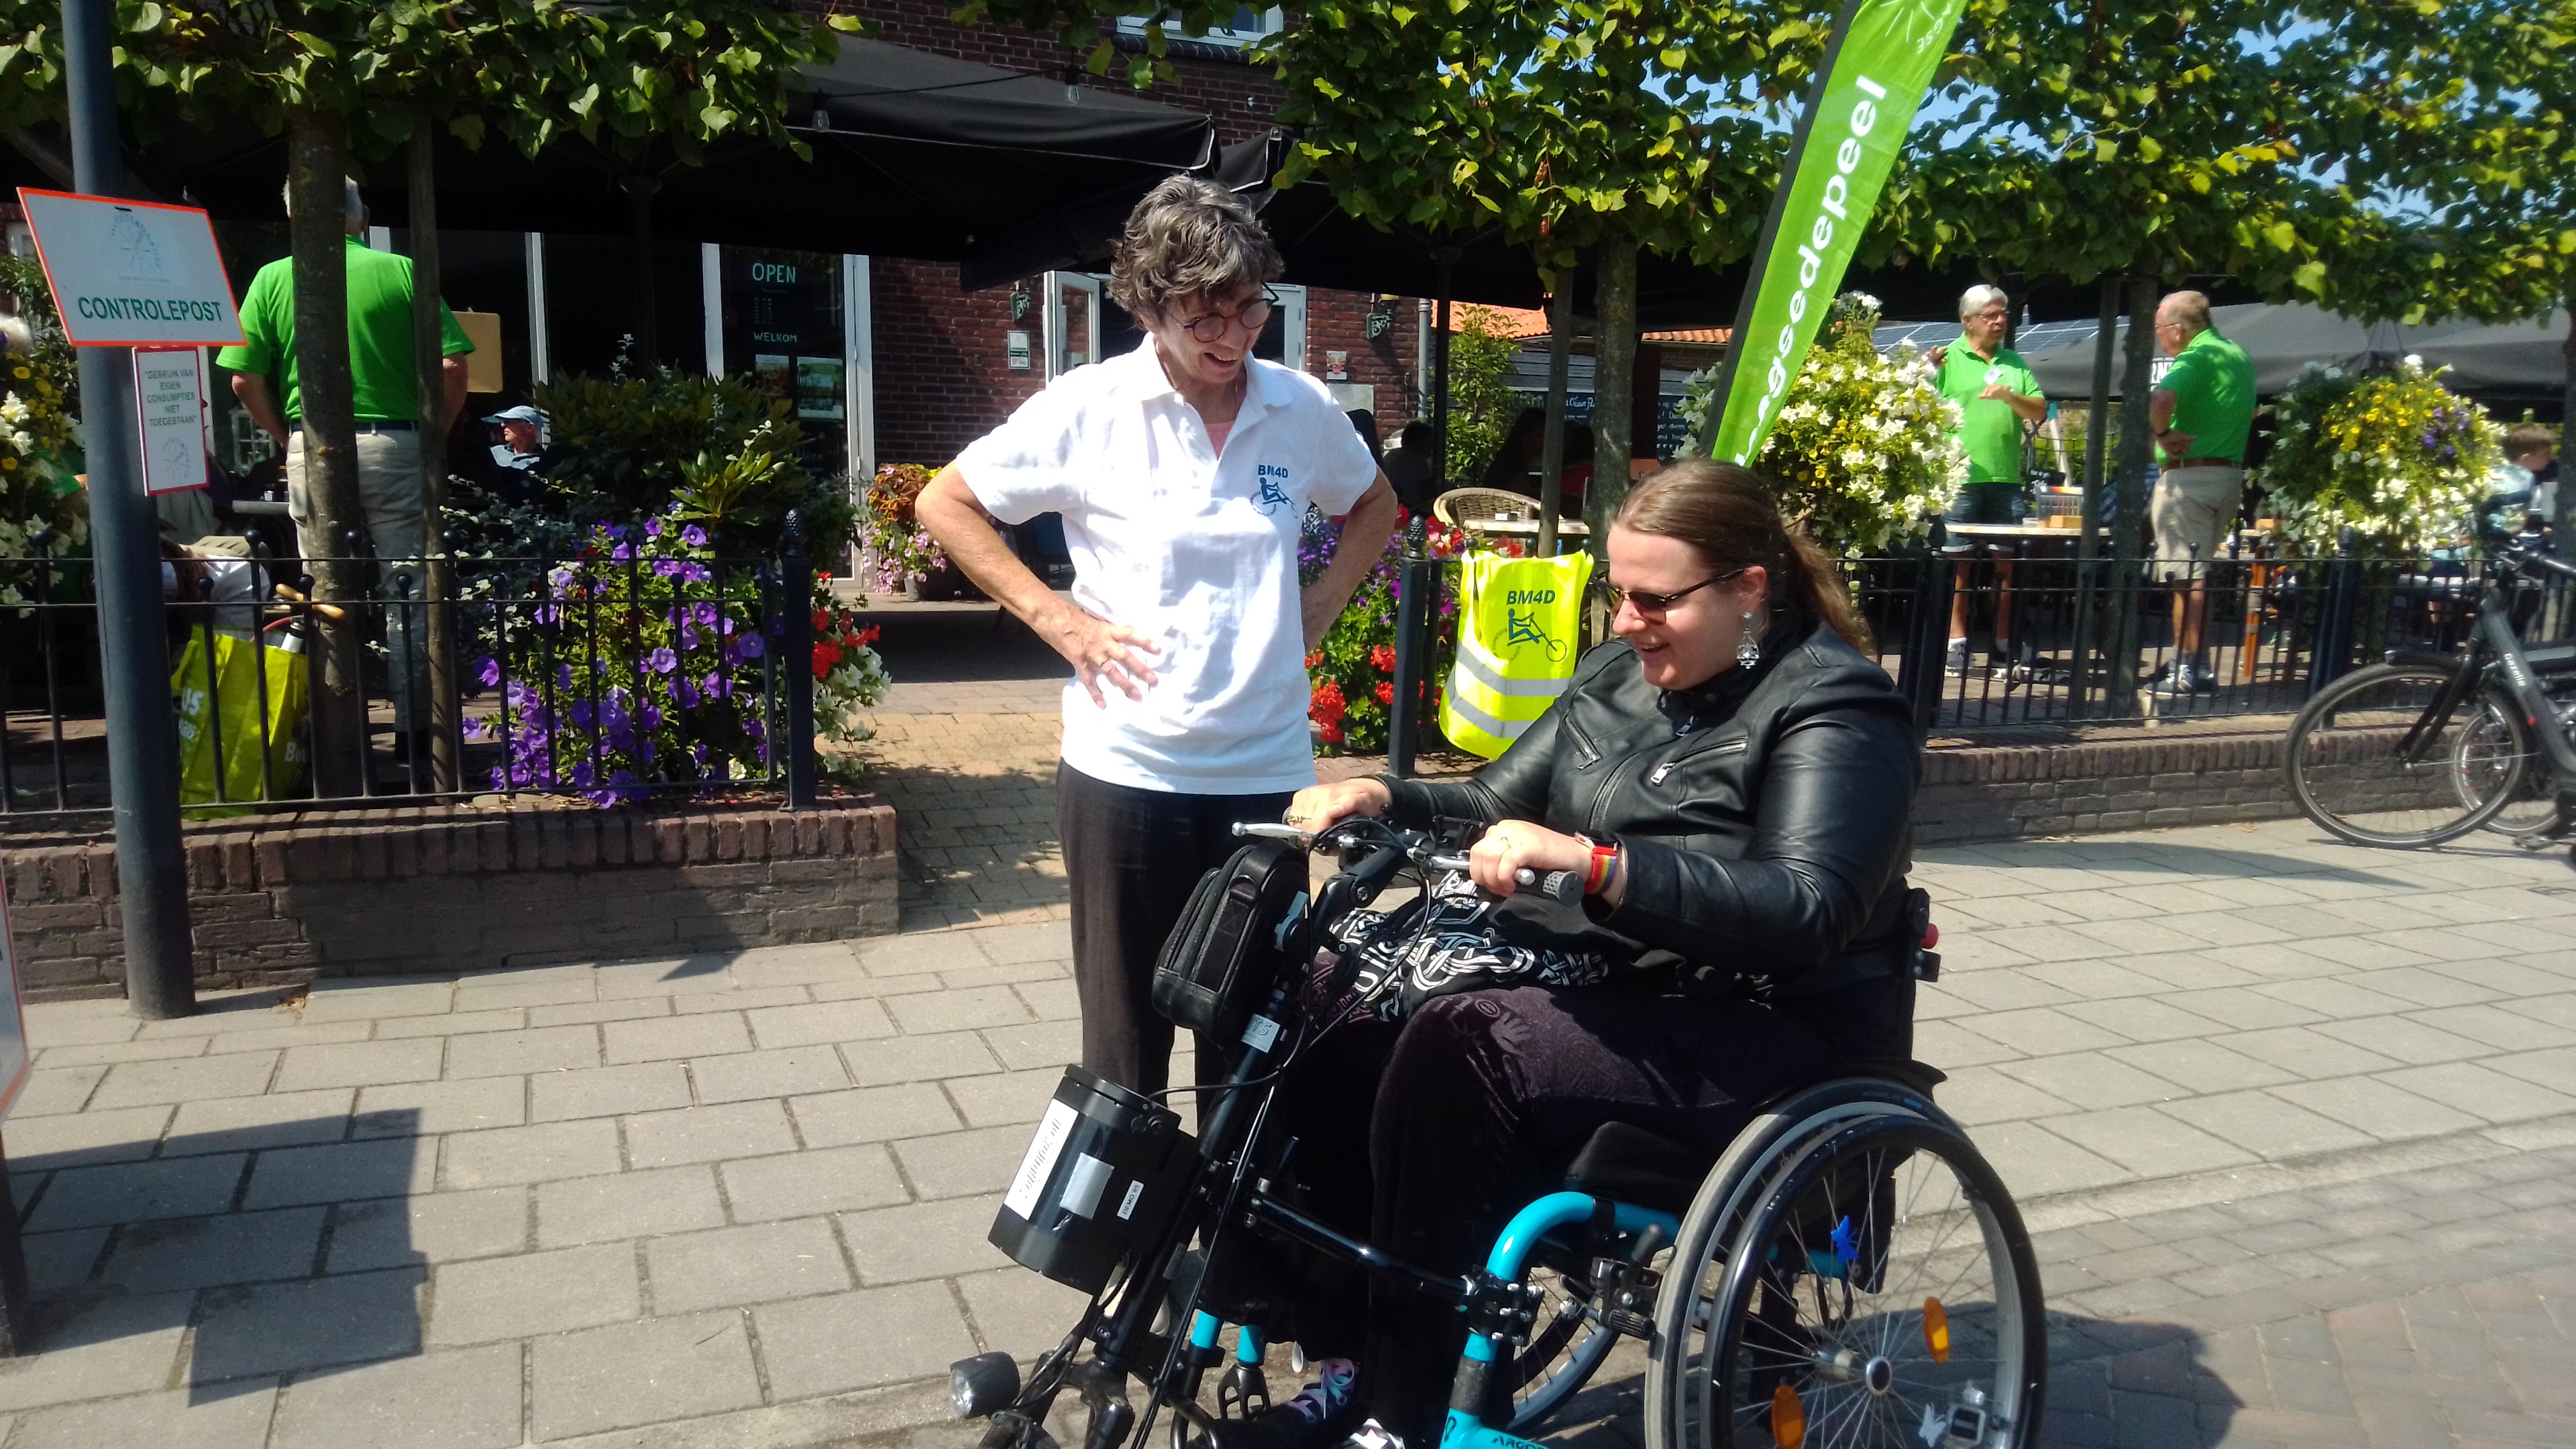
(1993, 632)
(649, 666)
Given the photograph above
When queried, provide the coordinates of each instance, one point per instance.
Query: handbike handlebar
(1564, 887)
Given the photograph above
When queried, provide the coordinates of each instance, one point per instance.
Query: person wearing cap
(522, 433)
(386, 393)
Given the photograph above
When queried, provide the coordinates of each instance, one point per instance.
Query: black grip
(1561, 886)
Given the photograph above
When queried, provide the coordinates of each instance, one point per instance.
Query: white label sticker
(1083, 1184)
(1040, 1163)
(1127, 1205)
(1259, 1033)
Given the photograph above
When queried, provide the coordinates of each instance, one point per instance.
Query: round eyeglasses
(1255, 315)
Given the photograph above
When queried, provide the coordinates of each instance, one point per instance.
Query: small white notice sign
(168, 394)
(132, 273)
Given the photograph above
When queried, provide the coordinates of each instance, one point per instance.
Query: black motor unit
(1103, 1176)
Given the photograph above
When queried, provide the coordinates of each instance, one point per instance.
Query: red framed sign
(132, 273)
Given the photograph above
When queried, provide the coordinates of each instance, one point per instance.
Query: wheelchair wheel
(1569, 1341)
(1873, 1286)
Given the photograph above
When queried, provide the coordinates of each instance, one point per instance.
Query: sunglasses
(1255, 315)
(1654, 605)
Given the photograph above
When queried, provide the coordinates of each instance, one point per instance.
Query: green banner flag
(1881, 57)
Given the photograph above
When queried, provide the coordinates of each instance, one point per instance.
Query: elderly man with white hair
(2201, 413)
(1997, 394)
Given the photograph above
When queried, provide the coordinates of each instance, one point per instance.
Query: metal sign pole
(142, 734)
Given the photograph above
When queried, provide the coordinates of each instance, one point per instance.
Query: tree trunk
(1551, 457)
(316, 174)
(1614, 357)
(2097, 436)
(1443, 262)
(2563, 527)
(647, 352)
(2129, 531)
(426, 355)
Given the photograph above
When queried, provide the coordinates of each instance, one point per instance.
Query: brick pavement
(2294, 1125)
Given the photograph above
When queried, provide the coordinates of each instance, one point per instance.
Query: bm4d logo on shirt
(1521, 627)
(1274, 488)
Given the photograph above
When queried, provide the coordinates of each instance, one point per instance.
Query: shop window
(784, 333)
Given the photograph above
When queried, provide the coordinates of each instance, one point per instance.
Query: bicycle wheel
(1569, 1340)
(2533, 794)
(1879, 1293)
(2400, 755)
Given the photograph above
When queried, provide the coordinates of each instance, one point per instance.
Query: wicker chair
(1467, 507)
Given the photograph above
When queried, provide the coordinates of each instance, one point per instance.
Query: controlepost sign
(132, 273)
(1882, 55)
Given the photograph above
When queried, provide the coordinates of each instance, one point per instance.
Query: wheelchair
(1849, 1271)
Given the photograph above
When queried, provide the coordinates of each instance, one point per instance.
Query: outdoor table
(1526, 527)
(260, 507)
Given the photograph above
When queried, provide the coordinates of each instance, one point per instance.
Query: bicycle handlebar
(1564, 887)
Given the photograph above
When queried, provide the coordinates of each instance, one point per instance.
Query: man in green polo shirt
(2201, 414)
(1996, 394)
(388, 411)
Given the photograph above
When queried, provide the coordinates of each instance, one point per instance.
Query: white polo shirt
(1193, 550)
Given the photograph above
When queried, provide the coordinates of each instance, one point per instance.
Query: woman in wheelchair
(1730, 778)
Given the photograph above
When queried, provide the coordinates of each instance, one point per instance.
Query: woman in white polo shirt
(1182, 470)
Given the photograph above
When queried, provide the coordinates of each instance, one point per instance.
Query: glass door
(783, 333)
(1072, 321)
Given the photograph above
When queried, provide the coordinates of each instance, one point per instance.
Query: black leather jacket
(1765, 819)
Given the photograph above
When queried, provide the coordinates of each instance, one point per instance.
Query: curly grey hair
(1189, 236)
(1977, 298)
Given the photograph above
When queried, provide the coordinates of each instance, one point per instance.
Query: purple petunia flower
(717, 686)
(666, 567)
(491, 672)
(694, 572)
(650, 716)
(685, 693)
(703, 613)
(652, 528)
(621, 553)
(662, 660)
(752, 648)
(563, 676)
(694, 536)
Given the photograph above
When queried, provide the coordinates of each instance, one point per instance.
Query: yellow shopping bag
(226, 700)
(1518, 623)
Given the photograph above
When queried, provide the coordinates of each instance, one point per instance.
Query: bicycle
(2428, 746)
(1848, 1268)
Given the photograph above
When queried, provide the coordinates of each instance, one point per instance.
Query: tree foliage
(2083, 138)
(686, 72)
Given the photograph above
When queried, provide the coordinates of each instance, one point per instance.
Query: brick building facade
(943, 355)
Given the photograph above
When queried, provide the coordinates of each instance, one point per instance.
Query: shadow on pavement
(285, 1248)
(2132, 1384)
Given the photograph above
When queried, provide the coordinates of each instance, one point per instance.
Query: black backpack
(1223, 955)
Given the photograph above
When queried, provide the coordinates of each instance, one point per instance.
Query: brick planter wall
(2004, 792)
(448, 889)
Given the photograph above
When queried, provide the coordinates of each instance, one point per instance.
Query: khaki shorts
(2192, 510)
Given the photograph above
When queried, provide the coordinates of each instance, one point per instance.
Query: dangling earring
(1748, 652)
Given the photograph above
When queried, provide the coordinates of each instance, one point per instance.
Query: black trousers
(1131, 857)
(1428, 1134)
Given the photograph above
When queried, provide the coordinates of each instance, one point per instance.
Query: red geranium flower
(1383, 656)
(827, 656)
(1327, 707)
(1385, 692)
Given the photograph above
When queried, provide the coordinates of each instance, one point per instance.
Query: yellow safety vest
(1519, 625)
